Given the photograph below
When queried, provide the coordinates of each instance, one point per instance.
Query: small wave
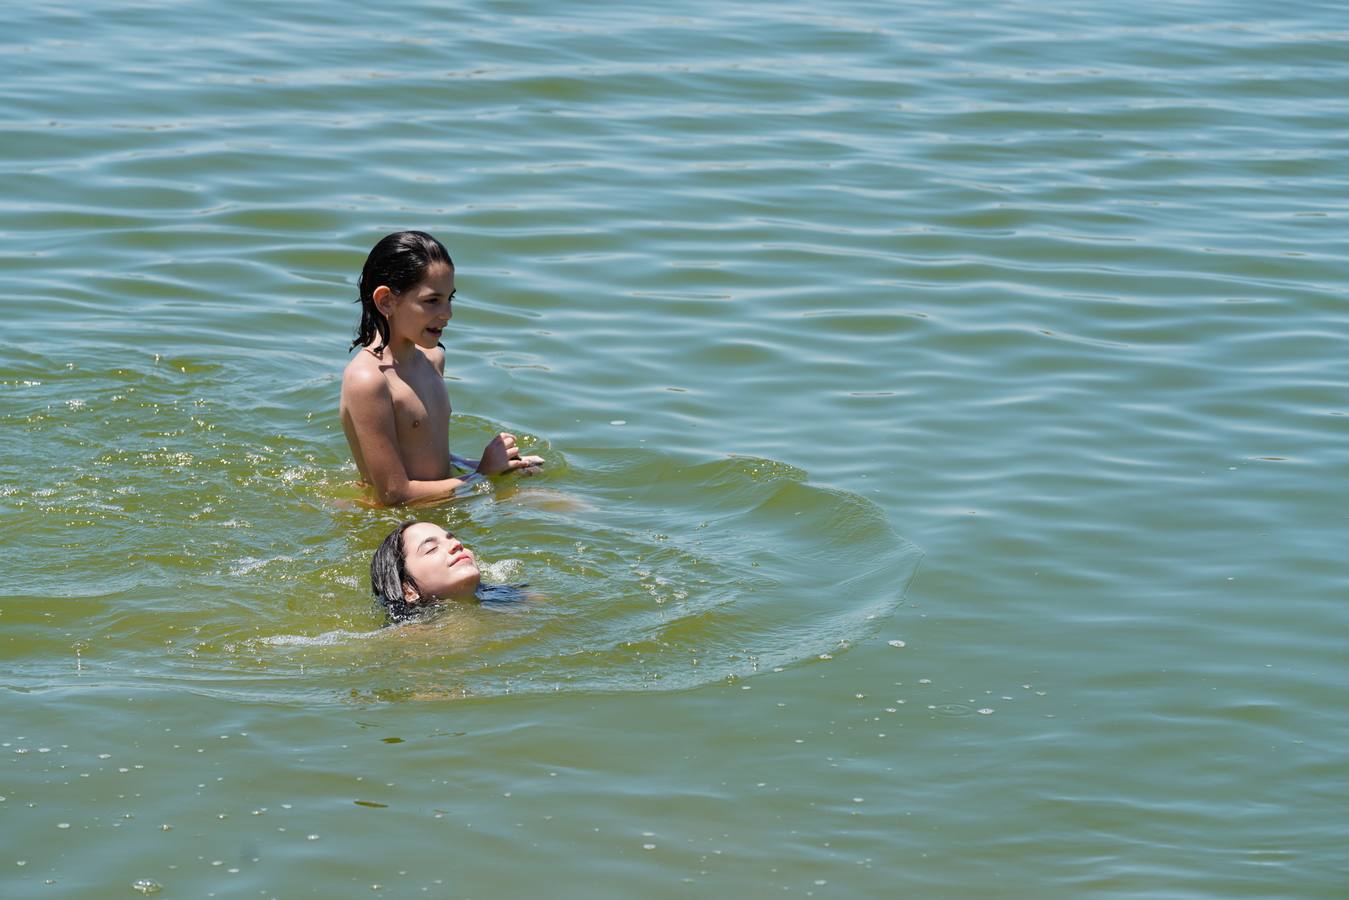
(327, 639)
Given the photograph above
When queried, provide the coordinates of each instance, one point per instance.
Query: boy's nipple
(416, 423)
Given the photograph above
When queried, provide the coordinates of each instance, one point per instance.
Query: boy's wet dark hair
(388, 574)
(400, 261)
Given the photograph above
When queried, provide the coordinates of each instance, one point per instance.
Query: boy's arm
(370, 405)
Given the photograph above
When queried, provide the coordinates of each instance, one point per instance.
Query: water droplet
(618, 422)
(985, 711)
(312, 837)
(893, 644)
(63, 825)
(146, 886)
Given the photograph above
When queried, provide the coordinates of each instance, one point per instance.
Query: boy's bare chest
(421, 405)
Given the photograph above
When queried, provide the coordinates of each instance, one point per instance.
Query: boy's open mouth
(436, 331)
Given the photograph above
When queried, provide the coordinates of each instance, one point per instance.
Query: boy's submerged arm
(370, 405)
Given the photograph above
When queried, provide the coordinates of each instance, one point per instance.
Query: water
(945, 417)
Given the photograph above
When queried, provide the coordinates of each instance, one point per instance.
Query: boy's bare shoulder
(363, 377)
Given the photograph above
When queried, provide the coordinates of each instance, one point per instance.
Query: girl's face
(419, 314)
(442, 568)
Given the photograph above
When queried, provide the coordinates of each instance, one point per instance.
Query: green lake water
(945, 413)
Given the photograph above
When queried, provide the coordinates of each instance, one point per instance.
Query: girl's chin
(465, 587)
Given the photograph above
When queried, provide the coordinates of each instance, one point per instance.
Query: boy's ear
(383, 297)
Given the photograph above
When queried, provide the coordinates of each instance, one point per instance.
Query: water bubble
(63, 825)
(986, 711)
(900, 644)
(618, 422)
(146, 886)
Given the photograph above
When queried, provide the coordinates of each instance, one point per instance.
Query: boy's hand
(502, 455)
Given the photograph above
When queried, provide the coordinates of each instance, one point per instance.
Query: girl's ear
(410, 594)
(383, 297)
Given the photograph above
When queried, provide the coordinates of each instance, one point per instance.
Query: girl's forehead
(415, 534)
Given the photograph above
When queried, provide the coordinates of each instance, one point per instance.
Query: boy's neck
(401, 352)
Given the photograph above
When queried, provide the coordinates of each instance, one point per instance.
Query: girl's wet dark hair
(400, 261)
(388, 574)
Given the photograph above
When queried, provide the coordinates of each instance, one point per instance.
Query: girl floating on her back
(421, 568)
(395, 409)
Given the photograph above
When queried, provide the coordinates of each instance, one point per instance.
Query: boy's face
(442, 568)
(421, 312)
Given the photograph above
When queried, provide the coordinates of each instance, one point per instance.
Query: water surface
(792, 299)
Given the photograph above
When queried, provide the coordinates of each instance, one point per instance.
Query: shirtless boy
(395, 409)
